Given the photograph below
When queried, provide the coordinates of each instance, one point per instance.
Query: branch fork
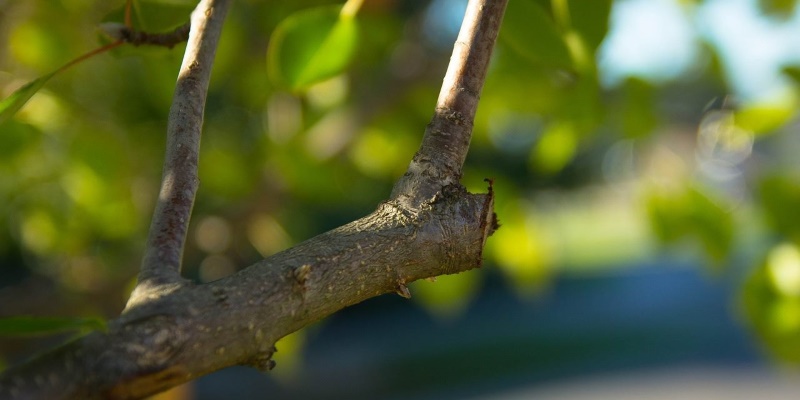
(173, 331)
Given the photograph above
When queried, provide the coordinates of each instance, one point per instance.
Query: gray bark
(173, 330)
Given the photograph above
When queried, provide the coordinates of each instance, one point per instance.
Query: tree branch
(439, 160)
(237, 320)
(124, 33)
(160, 270)
(175, 331)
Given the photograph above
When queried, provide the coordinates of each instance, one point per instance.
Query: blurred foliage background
(616, 132)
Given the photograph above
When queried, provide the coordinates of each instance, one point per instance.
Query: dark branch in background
(161, 263)
(439, 160)
(129, 35)
(171, 332)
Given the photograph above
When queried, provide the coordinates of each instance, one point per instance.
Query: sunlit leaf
(556, 147)
(531, 32)
(783, 265)
(378, 153)
(290, 354)
(448, 295)
(770, 302)
(11, 104)
(522, 254)
(33, 326)
(764, 118)
(311, 46)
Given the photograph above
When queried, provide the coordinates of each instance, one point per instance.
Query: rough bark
(161, 263)
(173, 331)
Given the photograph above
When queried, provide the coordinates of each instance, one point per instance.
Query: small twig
(444, 147)
(128, 21)
(160, 270)
(127, 34)
(88, 55)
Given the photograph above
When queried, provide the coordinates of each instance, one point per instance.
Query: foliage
(315, 135)
(26, 326)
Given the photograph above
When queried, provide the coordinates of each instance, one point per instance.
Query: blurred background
(644, 154)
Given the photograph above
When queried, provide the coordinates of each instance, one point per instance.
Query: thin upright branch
(439, 160)
(162, 259)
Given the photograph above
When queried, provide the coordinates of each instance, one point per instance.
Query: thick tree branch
(162, 259)
(174, 331)
(439, 160)
(237, 320)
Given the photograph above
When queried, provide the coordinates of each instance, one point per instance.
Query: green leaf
(664, 213)
(780, 196)
(711, 223)
(692, 214)
(446, 295)
(778, 8)
(310, 46)
(32, 326)
(764, 118)
(11, 104)
(530, 31)
(793, 72)
(154, 15)
(590, 20)
(15, 139)
(770, 303)
(638, 117)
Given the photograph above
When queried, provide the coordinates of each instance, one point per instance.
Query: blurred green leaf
(15, 138)
(590, 20)
(663, 212)
(764, 118)
(711, 223)
(531, 32)
(447, 295)
(11, 104)
(310, 46)
(638, 112)
(556, 147)
(33, 326)
(793, 72)
(780, 196)
(692, 213)
(155, 15)
(770, 302)
(778, 8)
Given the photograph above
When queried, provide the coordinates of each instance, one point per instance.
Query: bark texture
(161, 263)
(173, 330)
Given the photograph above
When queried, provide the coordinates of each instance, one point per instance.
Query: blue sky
(659, 40)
